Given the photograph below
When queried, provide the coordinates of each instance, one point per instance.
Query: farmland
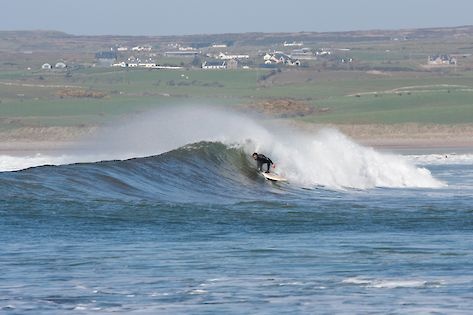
(386, 82)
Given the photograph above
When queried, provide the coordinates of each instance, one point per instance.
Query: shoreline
(395, 138)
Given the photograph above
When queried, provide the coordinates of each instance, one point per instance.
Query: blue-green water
(197, 230)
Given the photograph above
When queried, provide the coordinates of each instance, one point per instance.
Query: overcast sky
(177, 17)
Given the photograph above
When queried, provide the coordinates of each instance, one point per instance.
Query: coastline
(40, 140)
(398, 138)
(411, 137)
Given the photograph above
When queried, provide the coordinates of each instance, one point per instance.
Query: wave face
(192, 173)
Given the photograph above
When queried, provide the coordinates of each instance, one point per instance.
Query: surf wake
(179, 135)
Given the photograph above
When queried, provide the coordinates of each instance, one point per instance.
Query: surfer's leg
(268, 166)
(260, 166)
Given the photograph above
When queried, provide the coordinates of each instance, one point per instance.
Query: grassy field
(387, 83)
(339, 96)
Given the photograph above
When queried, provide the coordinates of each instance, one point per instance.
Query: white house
(280, 58)
(323, 52)
(60, 65)
(141, 48)
(188, 48)
(214, 65)
(182, 53)
(303, 54)
(147, 65)
(441, 60)
(232, 64)
(267, 57)
(223, 56)
(122, 64)
(46, 66)
(293, 44)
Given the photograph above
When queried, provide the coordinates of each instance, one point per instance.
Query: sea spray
(170, 128)
(13, 163)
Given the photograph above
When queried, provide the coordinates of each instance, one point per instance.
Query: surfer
(262, 159)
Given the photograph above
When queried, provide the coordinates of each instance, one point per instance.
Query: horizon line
(236, 33)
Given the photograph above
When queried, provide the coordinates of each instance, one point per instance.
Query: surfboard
(273, 177)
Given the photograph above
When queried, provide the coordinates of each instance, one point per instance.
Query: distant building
(120, 64)
(60, 65)
(182, 53)
(145, 65)
(280, 59)
(214, 65)
(223, 56)
(232, 64)
(293, 44)
(188, 48)
(148, 65)
(46, 66)
(303, 54)
(106, 58)
(438, 60)
(141, 48)
(323, 52)
(106, 55)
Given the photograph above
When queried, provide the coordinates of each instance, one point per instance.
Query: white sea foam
(331, 159)
(442, 159)
(197, 291)
(13, 163)
(392, 283)
(326, 158)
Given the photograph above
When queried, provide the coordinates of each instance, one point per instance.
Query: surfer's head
(255, 155)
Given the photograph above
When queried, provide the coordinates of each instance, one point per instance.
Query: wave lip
(15, 163)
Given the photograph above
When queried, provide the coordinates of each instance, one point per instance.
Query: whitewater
(166, 213)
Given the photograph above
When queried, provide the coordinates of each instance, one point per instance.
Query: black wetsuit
(260, 160)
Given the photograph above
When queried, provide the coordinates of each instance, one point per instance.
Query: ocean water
(150, 220)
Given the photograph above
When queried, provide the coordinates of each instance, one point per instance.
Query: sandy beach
(411, 135)
(32, 140)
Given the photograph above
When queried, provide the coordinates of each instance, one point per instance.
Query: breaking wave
(189, 153)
